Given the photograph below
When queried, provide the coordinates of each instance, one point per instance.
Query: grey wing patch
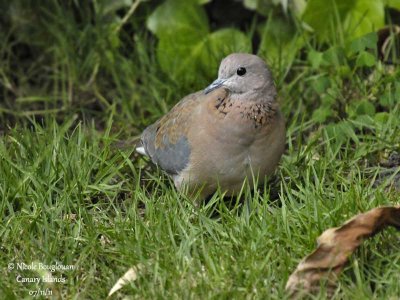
(171, 157)
(165, 141)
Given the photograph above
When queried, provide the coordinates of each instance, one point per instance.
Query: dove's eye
(241, 71)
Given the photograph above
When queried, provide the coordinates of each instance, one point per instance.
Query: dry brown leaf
(335, 245)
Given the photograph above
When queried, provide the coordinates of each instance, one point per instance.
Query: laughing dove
(222, 135)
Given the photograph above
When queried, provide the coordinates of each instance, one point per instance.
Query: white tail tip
(141, 150)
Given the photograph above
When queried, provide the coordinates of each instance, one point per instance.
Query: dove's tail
(141, 150)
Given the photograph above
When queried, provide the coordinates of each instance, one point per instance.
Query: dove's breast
(231, 146)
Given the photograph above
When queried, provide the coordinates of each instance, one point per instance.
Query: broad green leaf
(355, 18)
(345, 71)
(365, 107)
(279, 41)
(364, 121)
(360, 108)
(186, 50)
(334, 56)
(220, 44)
(382, 117)
(320, 84)
(315, 58)
(368, 41)
(186, 56)
(321, 114)
(178, 15)
(324, 15)
(178, 54)
(327, 100)
(393, 3)
(365, 17)
(365, 59)
(341, 131)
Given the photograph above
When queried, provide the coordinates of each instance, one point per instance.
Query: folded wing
(165, 141)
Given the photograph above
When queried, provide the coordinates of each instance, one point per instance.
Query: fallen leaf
(128, 277)
(335, 245)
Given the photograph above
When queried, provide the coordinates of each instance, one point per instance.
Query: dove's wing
(165, 141)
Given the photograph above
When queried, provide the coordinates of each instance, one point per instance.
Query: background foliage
(65, 57)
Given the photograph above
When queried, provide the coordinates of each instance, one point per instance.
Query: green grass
(70, 196)
(74, 192)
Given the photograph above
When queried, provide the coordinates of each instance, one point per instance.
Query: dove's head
(244, 74)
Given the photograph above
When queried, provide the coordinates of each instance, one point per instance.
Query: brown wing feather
(165, 141)
(174, 124)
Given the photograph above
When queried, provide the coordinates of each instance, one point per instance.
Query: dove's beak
(216, 84)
